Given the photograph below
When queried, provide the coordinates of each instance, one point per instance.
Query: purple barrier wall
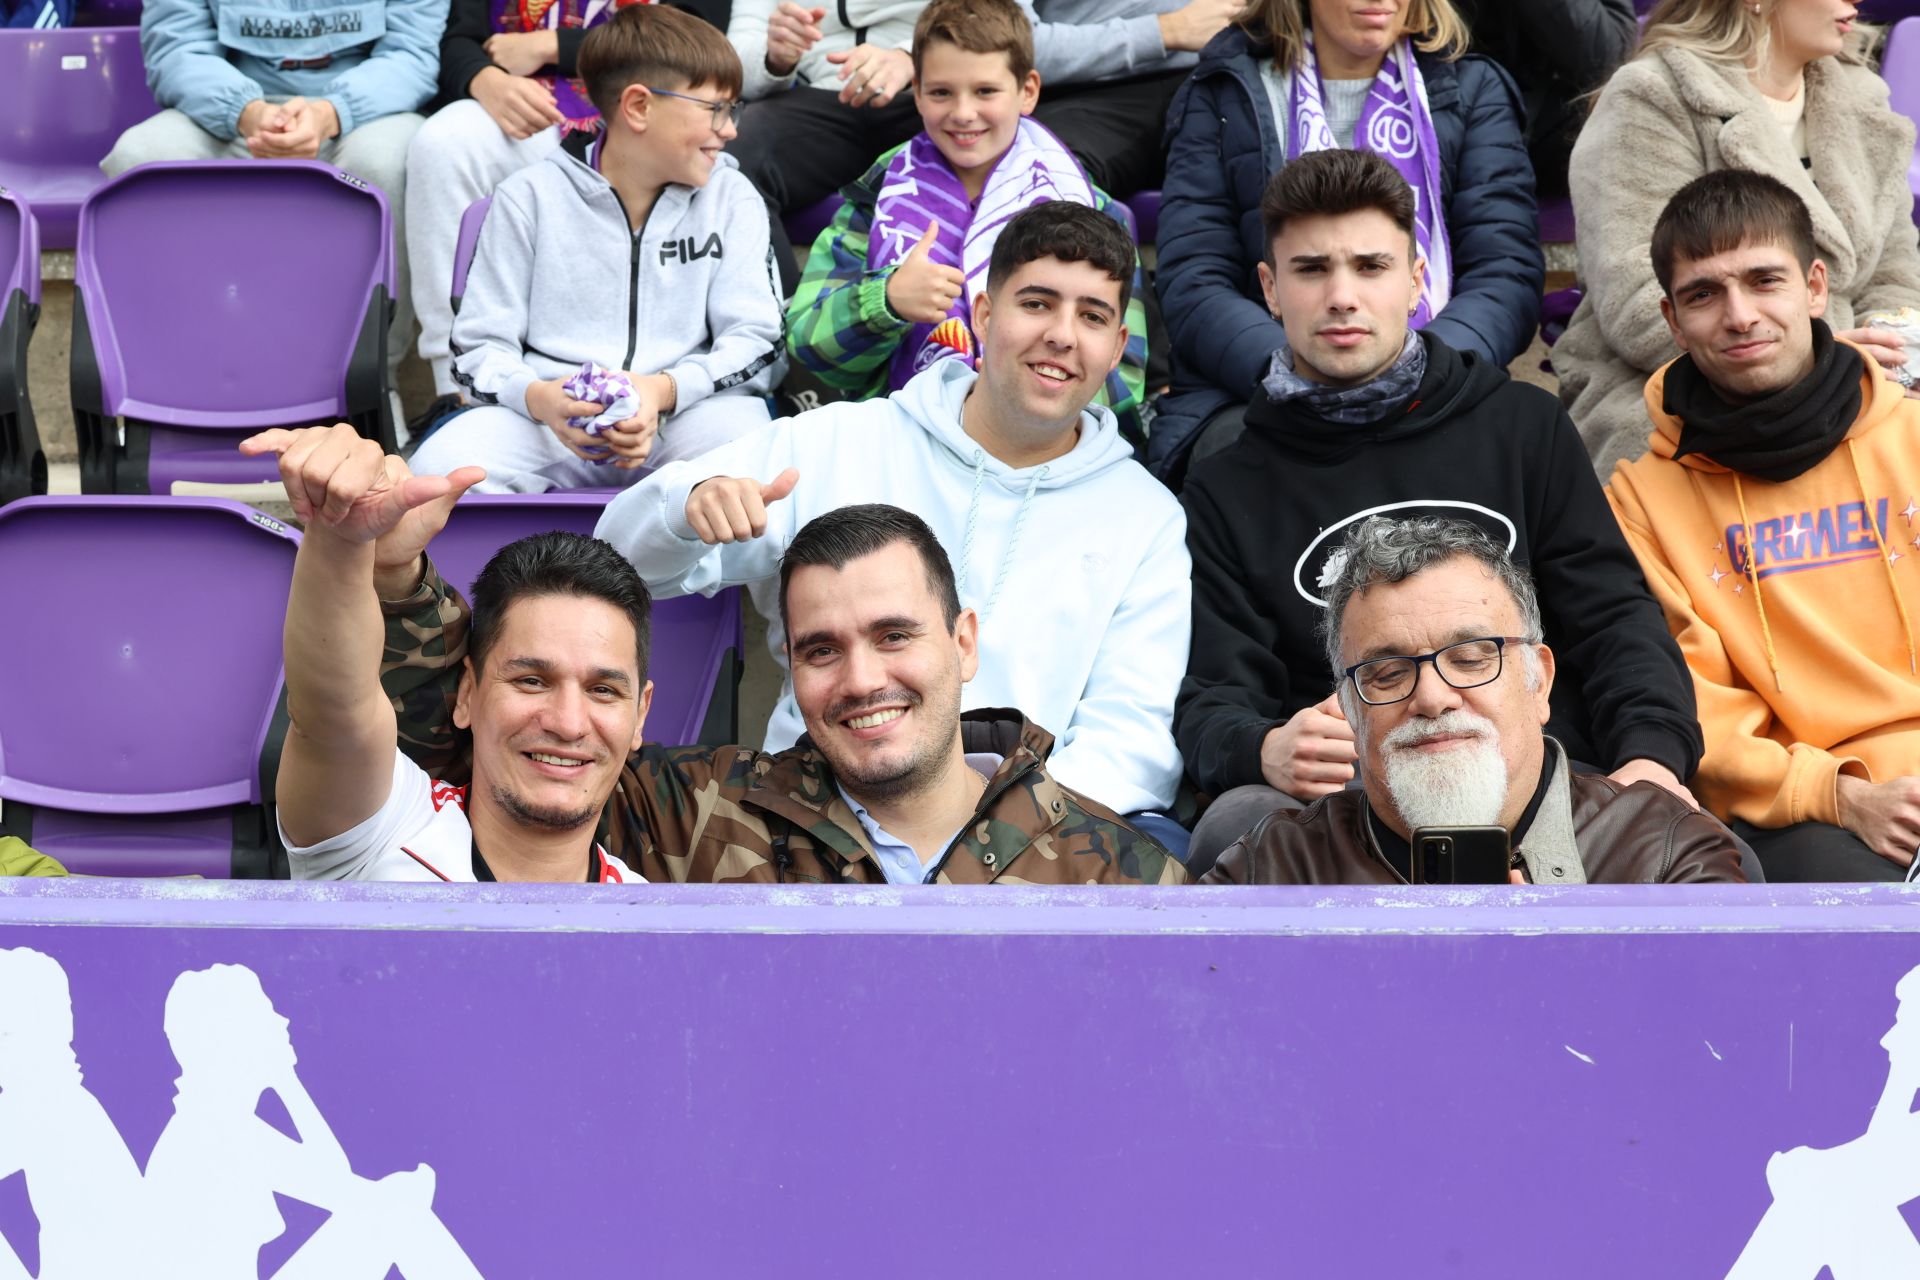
(715, 1082)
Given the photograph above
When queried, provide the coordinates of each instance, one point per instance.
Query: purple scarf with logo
(1397, 124)
(920, 187)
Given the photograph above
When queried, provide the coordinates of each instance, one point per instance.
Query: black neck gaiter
(1786, 434)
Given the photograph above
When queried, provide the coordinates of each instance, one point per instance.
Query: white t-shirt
(420, 833)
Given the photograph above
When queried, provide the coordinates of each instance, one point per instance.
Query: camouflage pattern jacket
(730, 814)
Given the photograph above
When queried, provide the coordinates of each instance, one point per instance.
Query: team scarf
(1397, 124)
(518, 17)
(920, 187)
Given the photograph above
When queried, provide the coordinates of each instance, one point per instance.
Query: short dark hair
(652, 44)
(1067, 231)
(1328, 184)
(976, 26)
(1720, 211)
(848, 533)
(558, 564)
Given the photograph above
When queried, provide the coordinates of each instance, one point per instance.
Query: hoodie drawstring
(1013, 543)
(973, 520)
(1886, 563)
(1753, 577)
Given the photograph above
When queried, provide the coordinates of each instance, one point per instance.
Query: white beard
(1463, 786)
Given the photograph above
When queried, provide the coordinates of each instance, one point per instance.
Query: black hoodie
(1264, 515)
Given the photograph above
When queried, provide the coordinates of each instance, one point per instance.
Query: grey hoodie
(1078, 566)
(559, 279)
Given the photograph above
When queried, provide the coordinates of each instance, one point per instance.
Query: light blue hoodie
(210, 58)
(1078, 567)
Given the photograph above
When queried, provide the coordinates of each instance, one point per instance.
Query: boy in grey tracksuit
(640, 248)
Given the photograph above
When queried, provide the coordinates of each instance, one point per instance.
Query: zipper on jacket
(633, 273)
(988, 799)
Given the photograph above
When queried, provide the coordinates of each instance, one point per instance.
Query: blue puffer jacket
(1223, 147)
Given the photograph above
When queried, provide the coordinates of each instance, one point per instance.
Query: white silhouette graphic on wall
(205, 1207)
(1839, 1207)
(81, 1180)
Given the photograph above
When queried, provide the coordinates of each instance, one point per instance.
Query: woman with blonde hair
(1775, 86)
(1294, 76)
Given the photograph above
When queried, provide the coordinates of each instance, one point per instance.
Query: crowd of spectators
(1257, 568)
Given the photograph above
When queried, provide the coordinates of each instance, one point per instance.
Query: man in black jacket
(1359, 416)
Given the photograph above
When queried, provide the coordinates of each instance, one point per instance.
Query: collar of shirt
(896, 857)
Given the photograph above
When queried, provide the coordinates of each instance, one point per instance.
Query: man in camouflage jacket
(732, 814)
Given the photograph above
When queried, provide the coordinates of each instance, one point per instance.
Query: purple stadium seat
(23, 468)
(1900, 65)
(805, 225)
(1145, 207)
(698, 642)
(107, 13)
(66, 96)
(143, 640)
(216, 298)
(470, 223)
(1556, 221)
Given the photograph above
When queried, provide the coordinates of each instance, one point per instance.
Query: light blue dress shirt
(898, 861)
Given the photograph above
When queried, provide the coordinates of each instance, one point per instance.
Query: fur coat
(1669, 117)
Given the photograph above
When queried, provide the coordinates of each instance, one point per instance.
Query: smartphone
(1461, 855)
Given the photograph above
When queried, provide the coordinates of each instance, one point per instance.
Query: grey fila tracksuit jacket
(558, 279)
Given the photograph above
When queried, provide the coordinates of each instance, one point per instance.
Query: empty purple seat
(216, 298)
(66, 96)
(1900, 65)
(142, 642)
(697, 641)
(1556, 221)
(23, 468)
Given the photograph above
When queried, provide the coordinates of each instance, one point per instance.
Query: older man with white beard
(1435, 636)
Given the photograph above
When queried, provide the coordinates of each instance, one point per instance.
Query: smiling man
(1071, 554)
(1359, 415)
(1776, 518)
(554, 689)
(1435, 635)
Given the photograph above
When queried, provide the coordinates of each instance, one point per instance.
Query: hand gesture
(1643, 770)
(791, 31)
(521, 53)
(870, 76)
(1886, 816)
(521, 107)
(734, 510)
(1189, 27)
(343, 485)
(921, 290)
(632, 440)
(1311, 755)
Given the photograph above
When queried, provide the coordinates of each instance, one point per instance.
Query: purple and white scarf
(920, 187)
(1397, 124)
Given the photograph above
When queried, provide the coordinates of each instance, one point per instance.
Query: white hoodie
(1078, 567)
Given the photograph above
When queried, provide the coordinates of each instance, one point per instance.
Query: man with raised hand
(893, 783)
(1073, 556)
(554, 688)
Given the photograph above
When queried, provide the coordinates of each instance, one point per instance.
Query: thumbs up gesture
(734, 509)
(920, 290)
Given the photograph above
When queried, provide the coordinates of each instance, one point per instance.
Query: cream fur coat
(1664, 120)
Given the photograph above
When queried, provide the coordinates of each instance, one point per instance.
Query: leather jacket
(1588, 829)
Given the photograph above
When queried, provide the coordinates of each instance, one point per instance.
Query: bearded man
(1434, 635)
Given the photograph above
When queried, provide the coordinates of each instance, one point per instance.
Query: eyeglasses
(724, 113)
(1466, 665)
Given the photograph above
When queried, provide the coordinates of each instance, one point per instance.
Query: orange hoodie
(1803, 651)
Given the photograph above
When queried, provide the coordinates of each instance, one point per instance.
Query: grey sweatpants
(522, 456)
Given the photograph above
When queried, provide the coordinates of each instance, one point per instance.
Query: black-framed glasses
(1466, 664)
(723, 111)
